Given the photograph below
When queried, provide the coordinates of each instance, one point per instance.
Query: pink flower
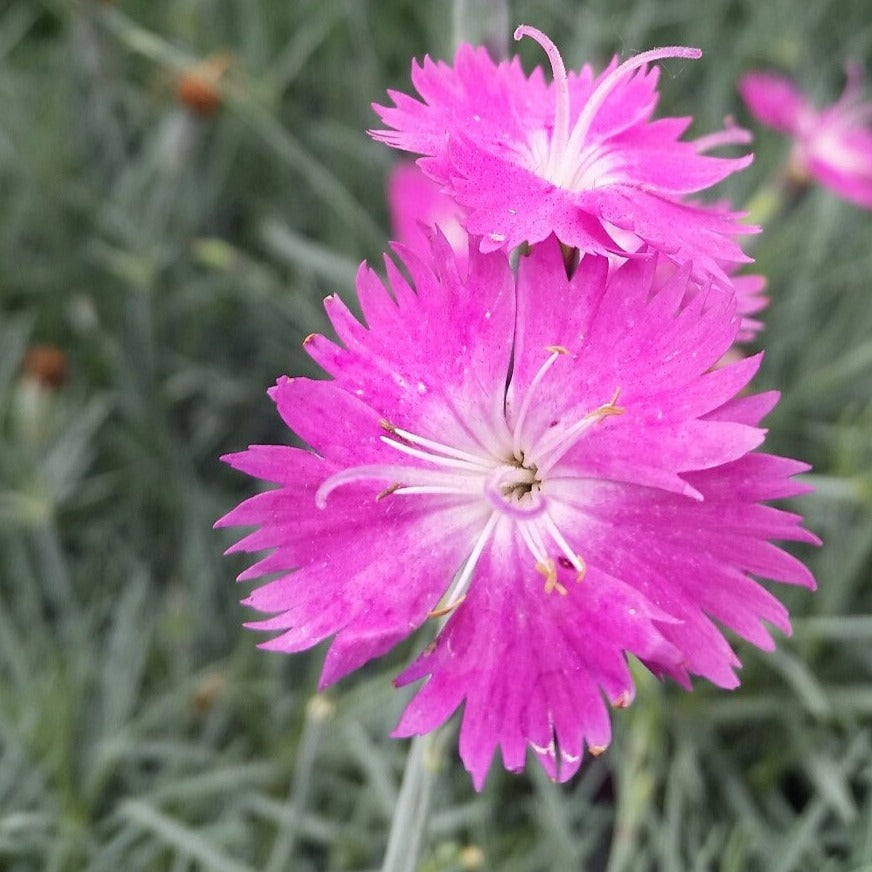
(415, 203)
(550, 465)
(579, 158)
(833, 146)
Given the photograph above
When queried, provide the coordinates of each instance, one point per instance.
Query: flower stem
(780, 193)
(318, 711)
(635, 785)
(412, 811)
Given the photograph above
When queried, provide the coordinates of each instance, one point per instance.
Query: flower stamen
(370, 472)
(426, 481)
(556, 351)
(534, 543)
(446, 610)
(571, 557)
(437, 447)
(568, 155)
(561, 109)
(387, 492)
(553, 447)
(612, 80)
(458, 486)
(438, 459)
(548, 568)
(457, 592)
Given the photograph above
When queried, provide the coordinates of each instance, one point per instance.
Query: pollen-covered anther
(549, 570)
(557, 349)
(388, 491)
(622, 700)
(596, 750)
(441, 611)
(609, 408)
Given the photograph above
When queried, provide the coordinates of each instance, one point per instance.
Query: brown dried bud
(47, 365)
(199, 87)
(208, 690)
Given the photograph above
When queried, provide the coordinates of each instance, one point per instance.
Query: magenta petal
(684, 232)
(474, 92)
(774, 100)
(416, 203)
(847, 172)
(333, 422)
(345, 595)
(628, 107)
(678, 168)
(507, 205)
(553, 699)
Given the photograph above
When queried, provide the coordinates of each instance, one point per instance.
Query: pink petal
(774, 100)
(552, 698)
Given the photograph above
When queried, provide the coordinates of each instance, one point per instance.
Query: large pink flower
(547, 466)
(833, 145)
(579, 157)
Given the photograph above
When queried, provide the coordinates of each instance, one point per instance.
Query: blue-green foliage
(178, 262)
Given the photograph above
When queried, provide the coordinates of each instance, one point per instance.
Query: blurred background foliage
(181, 182)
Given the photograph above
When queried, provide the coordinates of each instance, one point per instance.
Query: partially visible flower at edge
(549, 465)
(832, 146)
(417, 206)
(750, 300)
(578, 157)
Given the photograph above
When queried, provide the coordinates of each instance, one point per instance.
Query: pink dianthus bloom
(579, 157)
(833, 145)
(550, 466)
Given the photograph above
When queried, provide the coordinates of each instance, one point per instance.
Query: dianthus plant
(546, 473)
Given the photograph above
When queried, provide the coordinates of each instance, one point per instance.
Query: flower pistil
(568, 160)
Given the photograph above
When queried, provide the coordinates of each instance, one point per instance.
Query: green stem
(779, 193)
(635, 784)
(318, 711)
(412, 811)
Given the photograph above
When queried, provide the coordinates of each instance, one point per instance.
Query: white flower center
(510, 480)
(827, 136)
